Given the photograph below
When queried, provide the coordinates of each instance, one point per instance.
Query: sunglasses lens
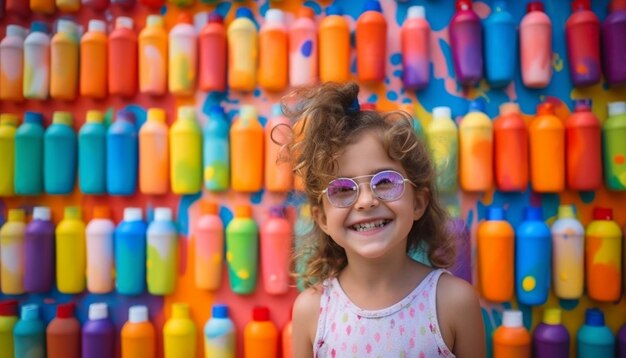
(342, 192)
(388, 185)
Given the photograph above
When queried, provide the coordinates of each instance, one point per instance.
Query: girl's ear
(422, 198)
(318, 215)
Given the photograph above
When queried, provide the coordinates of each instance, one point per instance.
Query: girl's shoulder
(306, 311)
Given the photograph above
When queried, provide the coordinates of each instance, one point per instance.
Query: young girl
(370, 184)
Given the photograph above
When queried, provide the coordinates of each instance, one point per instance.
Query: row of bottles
(134, 256)
(24, 8)
(28, 336)
(530, 259)
(155, 159)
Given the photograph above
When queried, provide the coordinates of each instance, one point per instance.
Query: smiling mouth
(370, 225)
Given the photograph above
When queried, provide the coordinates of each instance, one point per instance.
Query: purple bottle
(98, 333)
(613, 49)
(462, 267)
(551, 339)
(621, 342)
(39, 252)
(467, 44)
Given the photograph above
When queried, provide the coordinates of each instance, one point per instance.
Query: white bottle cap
(247, 111)
(200, 19)
(617, 108)
(186, 112)
(154, 20)
(137, 314)
(132, 214)
(442, 112)
(67, 27)
(163, 214)
(124, 22)
(41, 213)
(274, 16)
(98, 311)
(97, 26)
(416, 12)
(512, 318)
(16, 31)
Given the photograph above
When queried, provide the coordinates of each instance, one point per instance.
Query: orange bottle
(153, 57)
(138, 334)
(334, 40)
(154, 154)
(547, 151)
(260, 336)
(495, 241)
(93, 61)
(212, 52)
(273, 52)
(278, 173)
(47, 7)
(512, 339)
(64, 61)
(476, 149)
(371, 43)
(603, 257)
(246, 149)
(583, 153)
(123, 58)
(287, 340)
(510, 149)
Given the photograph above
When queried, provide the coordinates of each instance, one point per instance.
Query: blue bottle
(29, 334)
(29, 155)
(122, 155)
(92, 155)
(216, 149)
(533, 258)
(500, 46)
(594, 338)
(60, 155)
(130, 253)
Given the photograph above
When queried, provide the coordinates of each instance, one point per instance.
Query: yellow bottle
(64, 61)
(153, 57)
(71, 261)
(8, 124)
(12, 253)
(242, 37)
(186, 153)
(179, 333)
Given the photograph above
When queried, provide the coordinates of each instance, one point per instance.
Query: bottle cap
(416, 12)
(163, 214)
(499, 6)
(132, 214)
(305, 11)
(368, 107)
(532, 213)
(617, 108)
(566, 211)
(219, 311)
(33, 117)
(154, 21)
(67, 26)
(512, 318)
(580, 5)
(16, 31)
(30, 312)
(545, 108)
(244, 12)
(124, 22)
(535, 6)
(124, 115)
(8, 119)
(65, 310)
(582, 105)
(477, 105)
(16, 215)
(495, 213)
(602, 213)
(260, 314)
(180, 310)
(215, 18)
(38, 26)
(208, 207)
(509, 108)
(101, 212)
(274, 16)
(463, 5)
(60, 117)
(41, 213)
(247, 111)
(187, 112)
(97, 26)
(442, 113)
(94, 116)
(156, 115)
(8, 308)
(594, 317)
(372, 5)
(277, 211)
(552, 316)
(137, 314)
(185, 18)
(334, 9)
(243, 211)
(216, 110)
(617, 5)
(98, 311)
(72, 212)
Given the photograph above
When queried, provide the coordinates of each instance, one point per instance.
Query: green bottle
(242, 254)
(614, 147)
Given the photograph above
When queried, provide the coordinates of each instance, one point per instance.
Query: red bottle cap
(535, 6)
(368, 107)
(618, 5)
(602, 214)
(463, 5)
(65, 310)
(581, 5)
(8, 308)
(215, 18)
(185, 18)
(260, 313)
(545, 108)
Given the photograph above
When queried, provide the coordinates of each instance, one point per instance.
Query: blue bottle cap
(219, 311)
(39, 26)
(477, 105)
(495, 213)
(532, 213)
(216, 109)
(33, 117)
(277, 110)
(499, 6)
(30, 312)
(125, 115)
(372, 5)
(582, 104)
(244, 12)
(594, 317)
(334, 9)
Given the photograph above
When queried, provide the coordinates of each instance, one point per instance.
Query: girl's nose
(366, 198)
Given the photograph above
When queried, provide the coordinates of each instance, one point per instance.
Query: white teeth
(370, 225)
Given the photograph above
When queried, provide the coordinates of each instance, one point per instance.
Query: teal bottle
(216, 150)
(92, 154)
(594, 338)
(29, 155)
(500, 46)
(29, 334)
(60, 145)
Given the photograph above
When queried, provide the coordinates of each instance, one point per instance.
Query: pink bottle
(123, 58)
(583, 148)
(276, 243)
(466, 42)
(371, 43)
(415, 38)
(212, 52)
(209, 247)
(273, 52)
(303, 49)
(582, 32)
(536, 47)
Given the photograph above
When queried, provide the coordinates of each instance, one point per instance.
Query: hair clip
(354, 107)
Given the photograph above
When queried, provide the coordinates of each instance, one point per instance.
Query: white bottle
(100, 263)
(12, 64)
(182, 61)
(37, 62)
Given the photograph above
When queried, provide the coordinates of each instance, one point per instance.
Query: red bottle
(63, 334)
(212, 52)
(123, 76)
(510, 149)
(582, 32)
(583, 148)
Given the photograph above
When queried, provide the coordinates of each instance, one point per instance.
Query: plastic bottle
(603, 259)
(273, 52)
(568, 260)
(60, 142)
(246, 150)
(371, 43)
(476, 149)
(37, 62)
(153, 57)
(182, 61)
(551, 338)
(613, 53)
(219, 334)
(130, 253)
(510, 151)
(512, 338)
(154, 154)
(93, 61)
(496, 246)
(98, 333)
(334, 38)
(162, 254)
(500, 46)
(155, 4)
(594, 338)
(547, 151)
(276, 242)
(415, 42)
(179, 333)
(12, 64)
(122, 155)
(533, 258)
(63, 334)
(303, 48)
(582, 33)
(46, 7)
(96, 5)
(71, 260)
(286, 339)
(8, 319)
(29, 334)
(242, 246)
(466, 43)
(8, 124)
(125, 4)
(29, 155)
(12, 253)
(20, 8)
(212, 55)
(64, 51)
(243, 50)
(216, 150)
(536, 47)
(39, 252)
(92, 155)
(138, 334)
(99, 236)
(278, 172)
(260, 336)
(443, 142)
(68, 5)
(614, 146)
(186, 153)
(209, 247)
(122, 60)
(583, 148)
